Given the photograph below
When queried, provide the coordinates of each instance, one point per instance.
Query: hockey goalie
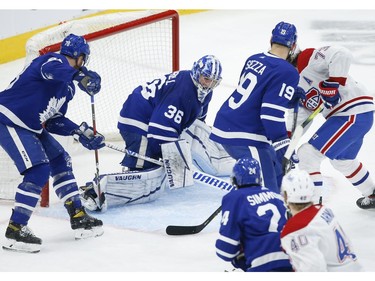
(194, 151)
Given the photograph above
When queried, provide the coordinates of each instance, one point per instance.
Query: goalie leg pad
(178, 164)
(131, 187)
(207, 155)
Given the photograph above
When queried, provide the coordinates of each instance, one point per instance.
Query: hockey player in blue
(158, 112)
(31, 108)
(251, 122)
(252, 219)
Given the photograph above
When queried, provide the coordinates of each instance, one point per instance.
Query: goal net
(127, 49)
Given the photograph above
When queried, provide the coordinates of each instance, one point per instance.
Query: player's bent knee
(309, 158)
(38, 174)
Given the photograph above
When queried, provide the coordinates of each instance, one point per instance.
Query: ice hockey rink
(135, 238)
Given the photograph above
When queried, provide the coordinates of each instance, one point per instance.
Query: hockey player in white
(32, 108)
(349, 112)
(312, 237)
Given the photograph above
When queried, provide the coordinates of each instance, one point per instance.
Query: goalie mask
(74, 46)
(206, 75)
(246, 172)
(298, 187)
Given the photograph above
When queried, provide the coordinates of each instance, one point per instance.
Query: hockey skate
(20, 238)
(91, 200)
(367, 202)
(83, 225)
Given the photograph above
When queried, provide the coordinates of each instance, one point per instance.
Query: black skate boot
(84, 225)
(367, 202)
(20, 238)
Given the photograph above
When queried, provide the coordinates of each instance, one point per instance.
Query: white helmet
(298, 186)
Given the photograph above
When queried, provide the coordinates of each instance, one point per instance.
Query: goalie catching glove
(88, 81)
(85, 135)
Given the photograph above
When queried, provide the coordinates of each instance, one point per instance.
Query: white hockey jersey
(315, 242)
(330, 62)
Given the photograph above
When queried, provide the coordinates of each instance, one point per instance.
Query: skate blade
(88, 233)
(22, 247)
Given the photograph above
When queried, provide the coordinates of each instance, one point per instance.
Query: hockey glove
(88, 81)
(329, 92)
(280, 147)
(299, 94)
(85, 135)
(289, 164)
(240, 262)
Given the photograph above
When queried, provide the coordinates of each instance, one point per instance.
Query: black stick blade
(186, 230)
(183, 230)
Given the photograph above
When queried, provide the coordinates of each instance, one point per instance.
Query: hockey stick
(97, 179)
(185, 230)
(297, 134)
(198, 176)
(287, 165)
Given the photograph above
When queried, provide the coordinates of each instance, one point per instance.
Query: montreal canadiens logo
(312, 100)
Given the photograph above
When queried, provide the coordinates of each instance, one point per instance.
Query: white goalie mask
(206, 75)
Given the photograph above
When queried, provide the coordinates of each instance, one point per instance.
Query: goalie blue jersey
(252, 220)
(163, 108)
(254, 114)
(49, 78)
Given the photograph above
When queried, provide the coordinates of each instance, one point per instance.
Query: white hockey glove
(85, 135)
(88, 81)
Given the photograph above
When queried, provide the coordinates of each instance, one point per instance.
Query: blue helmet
(284, 34)
(210, 68)
(246, 172)
(74, 46)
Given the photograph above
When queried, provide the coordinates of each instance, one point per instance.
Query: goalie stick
(297, 134)
(186, 230)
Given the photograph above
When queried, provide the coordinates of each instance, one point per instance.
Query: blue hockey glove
(280, 147)
(85, 135)
(240, 262)
(88, 81)
(299, 94)
(329, 92)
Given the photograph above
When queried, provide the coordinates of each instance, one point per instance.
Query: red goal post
(127, 49)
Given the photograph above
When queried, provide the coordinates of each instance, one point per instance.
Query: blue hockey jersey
(254, 114)
(252, 220)
(38, 93)
(163, 108)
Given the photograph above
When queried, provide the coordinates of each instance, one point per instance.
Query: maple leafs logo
(53, 108)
